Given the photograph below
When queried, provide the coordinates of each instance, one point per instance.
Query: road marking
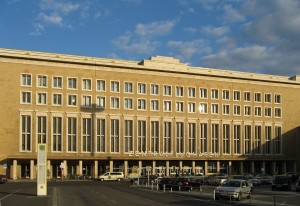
(283, 203)
(9, 195)
(54, 197)
(113, 201)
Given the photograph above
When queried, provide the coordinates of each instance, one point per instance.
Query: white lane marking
(9, 194)
(54, 197)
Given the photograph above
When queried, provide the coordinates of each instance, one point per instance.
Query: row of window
(86, 85)
(178, 137)
(86, 101)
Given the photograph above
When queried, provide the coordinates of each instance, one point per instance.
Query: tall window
(100, 102)
(128, 87)
(57, 82)
(247, 110)
(41, 129)
(192, 138)
(26, 133)
(57, 134)
(114, 86)
(247, 143)
(42, 98)
(215, 138)
(277, 99)
(167, 90)
(128, 136)
(226, 139)
(237, 139)
(225, 95)
(26, 80)
(203, 93)
(257, 111)
(179, 91)
(42, 81)
(203, 108)
(167, 106)
(203, 138)
(57, 99)
(72, 83)
(214, 108)
(268, 111)
(114, 103)
(191, 107)
(268, 98)
(86, 134)
(257, 97)
(277, 140)
(87, 84)
(72, 100)
(86, 101)
(226, 109)
(128, 103)
(154, 143)
(237, 110)
(247, 96)
(179, 137)
(101, 85)
(101, 143)
(215, 94)
(141, 88)
(191, 92)
(141, 104)
(236, 95)
(167, 137)
(114, 135)
(141, 144)
(72, 134)
(26, 97)
(268, 136)
(154, 89)
(257, 139)
(154, 105)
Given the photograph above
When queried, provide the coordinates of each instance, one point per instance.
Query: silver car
(233, 189)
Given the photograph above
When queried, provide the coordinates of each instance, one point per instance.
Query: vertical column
(263, 167)
(153, 167)
(32, 172)
(65, 168)
(140, 167)
(15, 164)
(96, 169)
(229, 169)
(274, 167)
(241, 167)
(49, 174)
(205, 168)
(193, 167)
(252, 167)
(125, 168)
(111, 165)
(79, 172)
(218, 166)
(284, 167)
(167, 168)
(180, 167)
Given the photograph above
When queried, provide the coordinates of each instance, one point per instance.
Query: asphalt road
(90, 193)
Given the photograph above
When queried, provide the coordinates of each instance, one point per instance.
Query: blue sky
(261, 36)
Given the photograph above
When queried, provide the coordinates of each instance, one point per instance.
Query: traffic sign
(5, 166)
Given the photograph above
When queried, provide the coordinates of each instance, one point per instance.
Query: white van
(112, 176)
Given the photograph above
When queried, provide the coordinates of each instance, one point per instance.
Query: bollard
(157, 187)
(171, 190)
(200, 188)
(179, 188)
(164, 188)
(214, 194)
(152, 185)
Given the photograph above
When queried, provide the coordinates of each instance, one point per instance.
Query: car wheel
(239, 197)
(249, 196)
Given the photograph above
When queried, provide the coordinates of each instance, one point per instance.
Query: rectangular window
(72, 134)
(42, 98)
(277, 99)
(86, 101)
(203, 93)
(154, 89)
(179, 137)
(257, 140)
(101, 137)
(179, 106)
(226, 138)
(277, 140)
(41, 129)
(257, 111)
(225, 95)
(167, 137)
(114, 135)
(128, 87)
(226, 109)
(247, 143)
(214, 108)
(114, 103)
(141, 88)
(57, 82)
(167, 106)
(141, 138)
(167, 90)
(100, 102)
(57, 134)
(237, 139)
(277, 112)
(203, 108)
(215, 138)
(214, 94)
(72, 100)
(268, 111)
(154, 105)
(247, 110)
(141, 104)
(154, 142)
(237, 110)
(191, 107)
(114, 86)
(86, 134)
(268, 98)
(236, 95)
(128, 136)
(41, 81)
(179, 91)
(191, 92)
(26, 133)
(87, 84)
(257, 97)
(101, 85)
(268, 143)
(128, 103)
(203, 138)
(192, 138)
(57, 99)
(26, 97)
(26, 80)
(247, 96)
(72, 83)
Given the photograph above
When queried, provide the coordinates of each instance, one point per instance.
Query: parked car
(196, 182)
(181, 183)
(215, 180)
(233, 189)
(243, 177)
(145, 179)
(3, 179)
(112, 176)
(254, 181)
(281, 182)
(298, 185)
(265, 179)
(165, 183)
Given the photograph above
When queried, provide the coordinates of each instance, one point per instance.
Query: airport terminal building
(157, 116)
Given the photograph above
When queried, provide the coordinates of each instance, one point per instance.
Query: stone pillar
(111, 166)
(32, 170)
(125, 168)
(218, 166)
(96, 169)
(263, 167)
(180, 167)
(65, 168)
(193, 167)
(79, 172)
(241, 167)
(167, 168)
(205, 168)
(15, 166)
(252, 167)
(49, 173)
(284, 167)
(153, 167)
(229, 168)
(140, 167)
(274, 167)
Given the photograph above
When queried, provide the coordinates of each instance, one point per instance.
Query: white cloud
(51, 19)
(38, 29)
(58, 6)
(232, 15)
(155, 28)
(215, 31)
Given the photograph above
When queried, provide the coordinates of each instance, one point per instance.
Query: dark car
(181, 183)
(166, 183)
(281, 182)
(3, 179)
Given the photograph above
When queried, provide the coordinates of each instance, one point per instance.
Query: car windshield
(280, 180)
(231, 184)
